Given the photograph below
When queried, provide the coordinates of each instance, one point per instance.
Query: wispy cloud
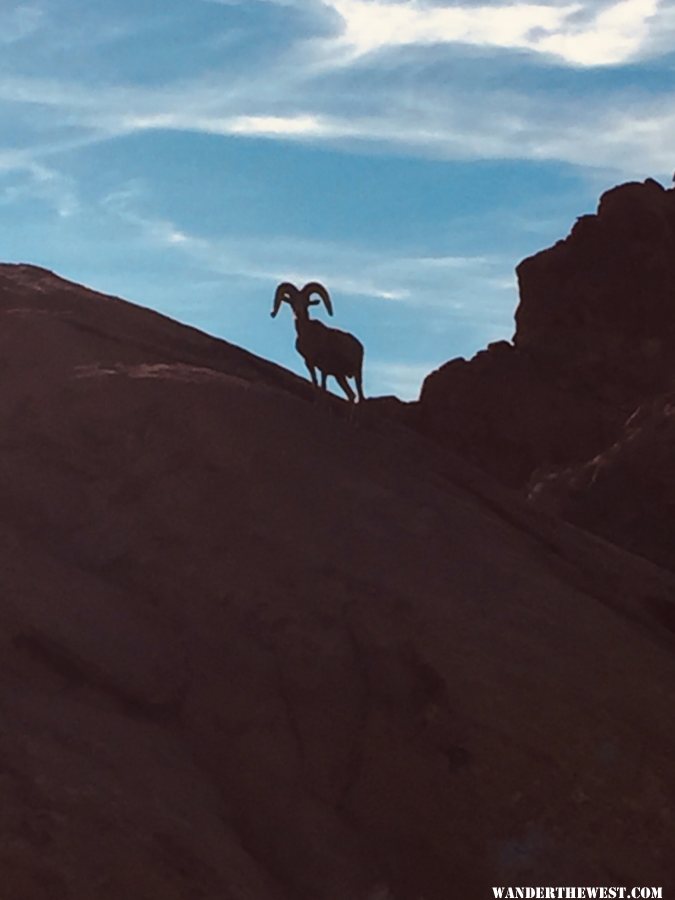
(303, 93)
(631, 136)
(615, 34)
(23, 179)
(618, 129)
(420, 282)
(633, 133)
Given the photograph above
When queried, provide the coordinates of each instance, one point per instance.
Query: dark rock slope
(595, 338)
(254, 651)
(627, 492)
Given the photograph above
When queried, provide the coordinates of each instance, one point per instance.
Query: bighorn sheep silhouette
(332, 352)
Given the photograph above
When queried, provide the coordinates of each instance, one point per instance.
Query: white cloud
(617, 35)
(371, 25)
(275, 126)
(613, 35)
(286, 127)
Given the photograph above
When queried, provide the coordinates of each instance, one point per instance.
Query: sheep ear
(314, 302)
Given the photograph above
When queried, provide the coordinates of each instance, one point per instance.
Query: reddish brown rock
(627, 492)
(507, 415)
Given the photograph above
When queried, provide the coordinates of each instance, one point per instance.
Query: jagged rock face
(254, 650)
(604, 298)
(505, 414)
(595, 337)
(627, 492)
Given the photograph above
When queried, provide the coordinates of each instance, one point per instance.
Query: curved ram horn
(315, 288)
(285, 291)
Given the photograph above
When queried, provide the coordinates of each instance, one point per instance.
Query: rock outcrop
(252, 650)
(594, 339)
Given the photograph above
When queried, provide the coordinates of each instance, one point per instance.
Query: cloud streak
(419, 282)
(625, 133)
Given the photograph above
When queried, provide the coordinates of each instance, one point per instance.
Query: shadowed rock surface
(627, 492)
(595, 338)
(252, 651)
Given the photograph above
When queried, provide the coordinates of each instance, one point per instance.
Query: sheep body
(331, 351)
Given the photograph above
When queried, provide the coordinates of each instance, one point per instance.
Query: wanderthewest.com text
(577, 893)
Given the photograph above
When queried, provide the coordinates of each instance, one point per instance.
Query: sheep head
(300, 300)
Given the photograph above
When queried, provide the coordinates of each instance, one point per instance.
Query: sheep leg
(344, 384)
(324, 392)
(312, 372)
(358, 378)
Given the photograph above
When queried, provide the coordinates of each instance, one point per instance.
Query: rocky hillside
(254, 651)
(595, 338)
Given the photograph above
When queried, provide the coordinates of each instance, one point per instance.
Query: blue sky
(190, 155)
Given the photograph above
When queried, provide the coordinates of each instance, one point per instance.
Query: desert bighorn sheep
(332, 352)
